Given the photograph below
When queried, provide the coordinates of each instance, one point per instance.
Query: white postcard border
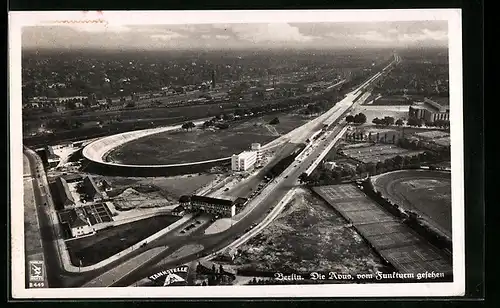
(19, 19)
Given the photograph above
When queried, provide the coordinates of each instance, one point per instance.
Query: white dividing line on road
(325, 151)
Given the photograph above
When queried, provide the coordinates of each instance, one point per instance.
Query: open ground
(169, 187)
(107, 242)
(308, 236)
(428, 193)
(200, 144)
(378, 152)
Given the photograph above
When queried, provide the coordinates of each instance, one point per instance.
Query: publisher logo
(172, 279)
(36, 270)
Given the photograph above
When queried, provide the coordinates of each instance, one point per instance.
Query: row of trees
(359, 118)
(322, 176)
(387, 121)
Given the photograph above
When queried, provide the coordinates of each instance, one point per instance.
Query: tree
(388, 120)
(399, 122)
(360, 118)
(376, 121)
(336, 175)
(349, 119)
(389, 164)
(303, 178)
(380, 167)
(188, 125)
(360, 169)
(398, 161)
(274, 121)
(371, 168)
(412, 122)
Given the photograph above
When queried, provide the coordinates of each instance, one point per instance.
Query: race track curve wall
(95, 154)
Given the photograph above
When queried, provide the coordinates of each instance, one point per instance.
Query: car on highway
(286, 177)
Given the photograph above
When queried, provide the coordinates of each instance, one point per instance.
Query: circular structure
(95, 153)
(427, 193)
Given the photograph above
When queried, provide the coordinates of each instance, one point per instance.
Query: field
(107, 242)
(170, 188)
(199, 144)
(392, 100)
(378, 152)
(308, 236)
(426, 192)
(376, 111)
(396, 242)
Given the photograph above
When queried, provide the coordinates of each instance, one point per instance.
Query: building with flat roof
(258, 151)
(65, 198)
(430, 110)
(243, 161)
(215, 206)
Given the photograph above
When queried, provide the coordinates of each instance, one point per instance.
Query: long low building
(215, 206)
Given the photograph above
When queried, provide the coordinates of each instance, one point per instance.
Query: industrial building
(65, 198)
(430, 110)
(243, 161)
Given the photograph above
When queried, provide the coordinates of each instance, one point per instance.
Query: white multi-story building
(243, 161)
(257, 148)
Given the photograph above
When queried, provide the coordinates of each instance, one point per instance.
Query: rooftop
(217, 201)
(90, 186)
(74, 218)
(63, 189)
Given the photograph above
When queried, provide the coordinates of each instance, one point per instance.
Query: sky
(249, 35)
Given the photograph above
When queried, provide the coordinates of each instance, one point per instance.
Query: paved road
(34, 250)
(50, 251)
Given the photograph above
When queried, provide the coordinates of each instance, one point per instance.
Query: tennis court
(396, 242)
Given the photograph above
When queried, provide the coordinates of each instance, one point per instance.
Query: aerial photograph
(238, 154)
